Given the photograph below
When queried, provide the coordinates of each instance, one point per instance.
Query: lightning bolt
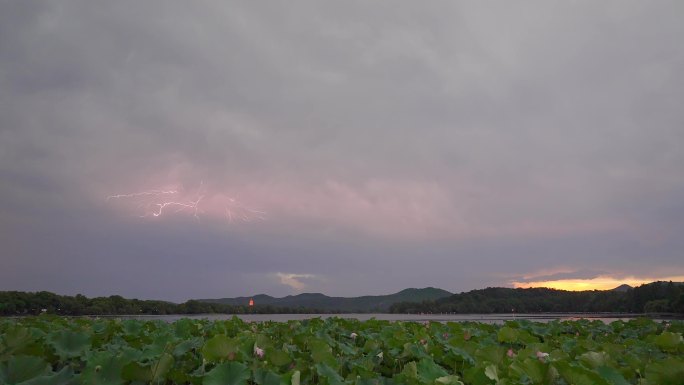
(143, 194)
(236, 211)
(159, 203)
(194, 205)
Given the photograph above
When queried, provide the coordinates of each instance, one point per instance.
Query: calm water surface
(486, 318)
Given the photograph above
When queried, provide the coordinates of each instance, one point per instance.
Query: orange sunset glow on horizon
(597, 283)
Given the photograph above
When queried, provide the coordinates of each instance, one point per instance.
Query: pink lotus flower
(510, 353)
(541, 355)
(259, 352)
(353, 336)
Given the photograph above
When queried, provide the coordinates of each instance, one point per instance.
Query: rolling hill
(655, 297)
(364, 304)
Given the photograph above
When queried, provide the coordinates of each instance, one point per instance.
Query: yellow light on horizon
(598, 283)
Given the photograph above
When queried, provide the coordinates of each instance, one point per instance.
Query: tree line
(655, 297)
(18, 303)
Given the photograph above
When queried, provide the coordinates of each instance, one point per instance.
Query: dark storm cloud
(453, 145)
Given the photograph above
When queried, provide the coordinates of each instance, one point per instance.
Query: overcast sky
(177, 150)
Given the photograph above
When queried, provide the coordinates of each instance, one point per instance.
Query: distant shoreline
(496, 318)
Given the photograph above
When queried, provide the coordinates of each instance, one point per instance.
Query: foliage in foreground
(59, 351)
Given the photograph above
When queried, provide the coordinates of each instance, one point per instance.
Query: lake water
(486, 318)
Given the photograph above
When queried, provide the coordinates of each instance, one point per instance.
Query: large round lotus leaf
(666, 372)
(612, 375)
(277, 357)
(69, 344)
(577, 375)
(63, 377)
(219, 347)
(232, 373)
(329, 375)
(21, 368)
(509, 335)
(187, 345)
(14, 339)
(154, 371)
(429, 371)
(104, 368)
(668, 341)
(266, 377)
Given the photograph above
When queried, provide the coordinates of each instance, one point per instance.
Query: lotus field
(60, 351)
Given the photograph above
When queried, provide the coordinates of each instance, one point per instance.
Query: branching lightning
(159, 203)
(143, 194)
(237, 211)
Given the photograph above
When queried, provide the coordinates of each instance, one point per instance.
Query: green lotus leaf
(266, 377)
(328, 374)
(612, 375)
(184, 328)
(491, 354)
(476, 376)
(219, 347)
(492, 372)
(22, 368)
(13, 340)
(154, 371)
(277, 357)
(371, 381)
(231, 373)
(534, 369)
(579, 376)
(593, 359)
(104, 368)
(449, 380)
(409, 374)
(321, 352)
(346, 349)
(70, 344)
(462, 355)
(132, 327)
(667, 372)
(428, 371)
(668, 341)
(508, 335)
(187, 345)
(263, 341)
(63, 377)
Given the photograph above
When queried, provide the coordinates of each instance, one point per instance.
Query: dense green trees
(656, 297)
(22, 303)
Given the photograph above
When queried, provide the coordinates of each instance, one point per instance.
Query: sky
(175, 150)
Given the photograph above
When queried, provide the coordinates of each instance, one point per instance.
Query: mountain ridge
(654, 297)
(366, 303)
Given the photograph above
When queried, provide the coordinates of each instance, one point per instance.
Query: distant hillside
(364, 304)
(624, 287)
(655, 297)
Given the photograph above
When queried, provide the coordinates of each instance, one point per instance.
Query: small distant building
(251, 302)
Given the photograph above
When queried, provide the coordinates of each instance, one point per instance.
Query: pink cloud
(391, 208)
